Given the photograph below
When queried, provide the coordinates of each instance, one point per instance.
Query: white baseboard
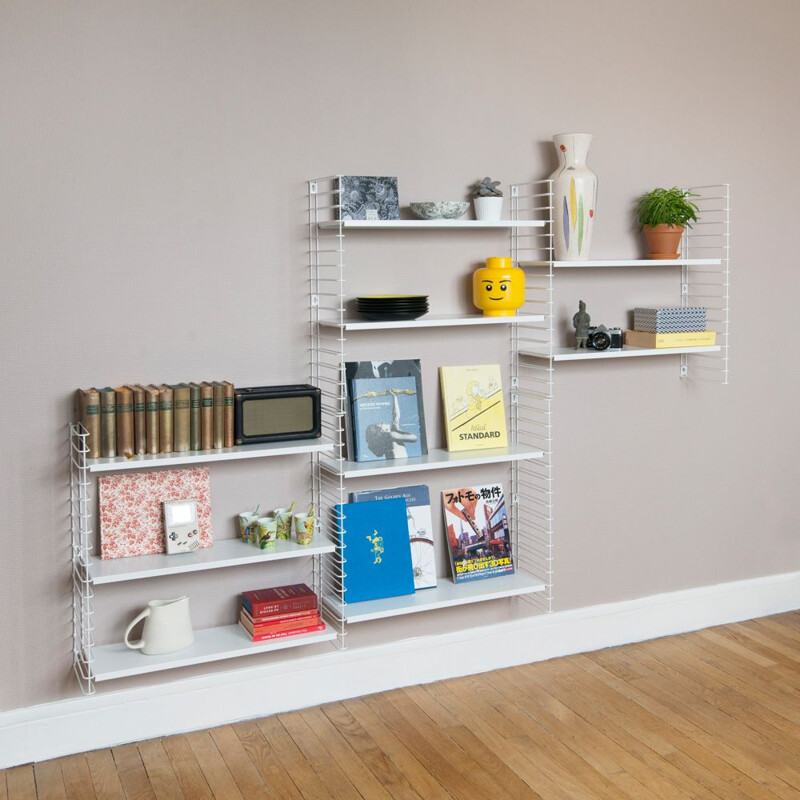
(110, 718)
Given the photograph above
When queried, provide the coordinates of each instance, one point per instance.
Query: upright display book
(476, 527)
(377, 553)
(372, 197)
(474, 411)
(420, 528)
(387, 418)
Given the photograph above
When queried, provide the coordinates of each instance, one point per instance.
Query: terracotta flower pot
(663, 241)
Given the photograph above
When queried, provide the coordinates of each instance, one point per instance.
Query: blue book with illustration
(420, 527)
(376, 551)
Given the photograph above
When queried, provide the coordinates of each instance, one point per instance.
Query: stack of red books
(280, 611)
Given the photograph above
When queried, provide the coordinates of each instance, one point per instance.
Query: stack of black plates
(386, 307)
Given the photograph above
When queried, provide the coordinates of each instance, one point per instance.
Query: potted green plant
(488, 200)
(662, 215)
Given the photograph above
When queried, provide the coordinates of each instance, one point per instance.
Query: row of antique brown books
(137, 420)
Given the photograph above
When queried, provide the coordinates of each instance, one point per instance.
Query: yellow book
(474, 407)
(667, 340)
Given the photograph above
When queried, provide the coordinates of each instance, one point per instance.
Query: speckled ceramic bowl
(439, 209)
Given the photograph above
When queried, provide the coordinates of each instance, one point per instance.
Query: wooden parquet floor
(714, 714)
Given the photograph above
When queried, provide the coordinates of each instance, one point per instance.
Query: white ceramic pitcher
(167, 627)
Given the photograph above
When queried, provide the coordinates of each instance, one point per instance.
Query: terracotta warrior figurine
(581, 322)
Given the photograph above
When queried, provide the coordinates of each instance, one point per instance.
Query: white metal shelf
(223, 553)
(407, 224)
(433, 321)
(436, 459)
(293, 447)
(445, 594)
(210, 644)
(628, 351)
(628, 262)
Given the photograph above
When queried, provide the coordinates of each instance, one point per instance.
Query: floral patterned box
(131, 517)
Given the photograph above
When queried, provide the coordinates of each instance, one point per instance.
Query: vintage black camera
(602, 338)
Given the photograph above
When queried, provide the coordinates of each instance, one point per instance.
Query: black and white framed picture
(368, 197)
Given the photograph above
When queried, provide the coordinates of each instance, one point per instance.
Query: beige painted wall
(152, 164)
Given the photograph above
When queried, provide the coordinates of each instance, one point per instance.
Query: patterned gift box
(669, 320)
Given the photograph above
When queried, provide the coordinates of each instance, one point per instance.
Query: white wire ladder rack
(81, 530)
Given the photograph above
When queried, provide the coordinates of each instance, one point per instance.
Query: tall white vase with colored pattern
(574, 198)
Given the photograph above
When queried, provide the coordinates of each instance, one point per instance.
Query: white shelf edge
(435, 321)
(436, 459)
(293, 447)
(224, 553)
(628, 351)
(114, 661)
(627, 262)
(429, 223)
(445, 594)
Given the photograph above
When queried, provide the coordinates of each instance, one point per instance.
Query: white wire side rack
(81, 529)
(533, 388)
(709, 284)
(528, 439)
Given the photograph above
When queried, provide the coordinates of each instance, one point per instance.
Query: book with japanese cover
(474, 408)
(194, 416)
(206, 416)
(139, 420)
(152, 437)
(476, 527)
(420, 527)
(386, 410)
(375, 537)
(87, 412)
(124, 421)
(165, 418)
(108, 423)
(181, 417)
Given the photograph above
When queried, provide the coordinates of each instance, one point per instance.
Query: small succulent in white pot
(488, 200)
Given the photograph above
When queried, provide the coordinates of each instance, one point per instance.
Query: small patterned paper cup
(284, 519)
(267, 532)
(248, 527)
(304, 528)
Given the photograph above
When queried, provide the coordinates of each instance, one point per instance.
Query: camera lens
(601, 341)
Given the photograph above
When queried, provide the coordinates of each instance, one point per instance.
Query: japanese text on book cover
(474, 412)
(476, 526)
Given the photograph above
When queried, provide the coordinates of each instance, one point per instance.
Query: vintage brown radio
(277, 413)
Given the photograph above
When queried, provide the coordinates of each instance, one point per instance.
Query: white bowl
(440, 209)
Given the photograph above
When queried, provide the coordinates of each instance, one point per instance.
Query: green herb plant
(667, 207)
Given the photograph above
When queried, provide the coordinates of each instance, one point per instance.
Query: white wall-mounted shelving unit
(92, 663)
(704, 280)
(702, 276)
(334, 474)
